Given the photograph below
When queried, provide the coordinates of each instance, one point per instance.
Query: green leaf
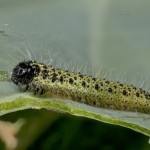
(17, 100)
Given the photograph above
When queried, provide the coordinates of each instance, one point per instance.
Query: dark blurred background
(65, 132)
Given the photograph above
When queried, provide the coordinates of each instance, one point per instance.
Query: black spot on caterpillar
(40, 78)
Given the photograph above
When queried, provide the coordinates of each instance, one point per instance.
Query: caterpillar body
(40, 78)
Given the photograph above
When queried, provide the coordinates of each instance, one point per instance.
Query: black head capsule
(24, 72)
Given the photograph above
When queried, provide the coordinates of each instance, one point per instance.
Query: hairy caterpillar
(40, 78)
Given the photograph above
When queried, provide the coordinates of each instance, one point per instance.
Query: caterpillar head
(24, 72)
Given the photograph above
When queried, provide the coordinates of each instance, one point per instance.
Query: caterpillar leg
(43, 91)
(36, 91)
(26, 88)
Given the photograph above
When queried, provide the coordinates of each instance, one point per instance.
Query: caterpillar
(39, 78)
